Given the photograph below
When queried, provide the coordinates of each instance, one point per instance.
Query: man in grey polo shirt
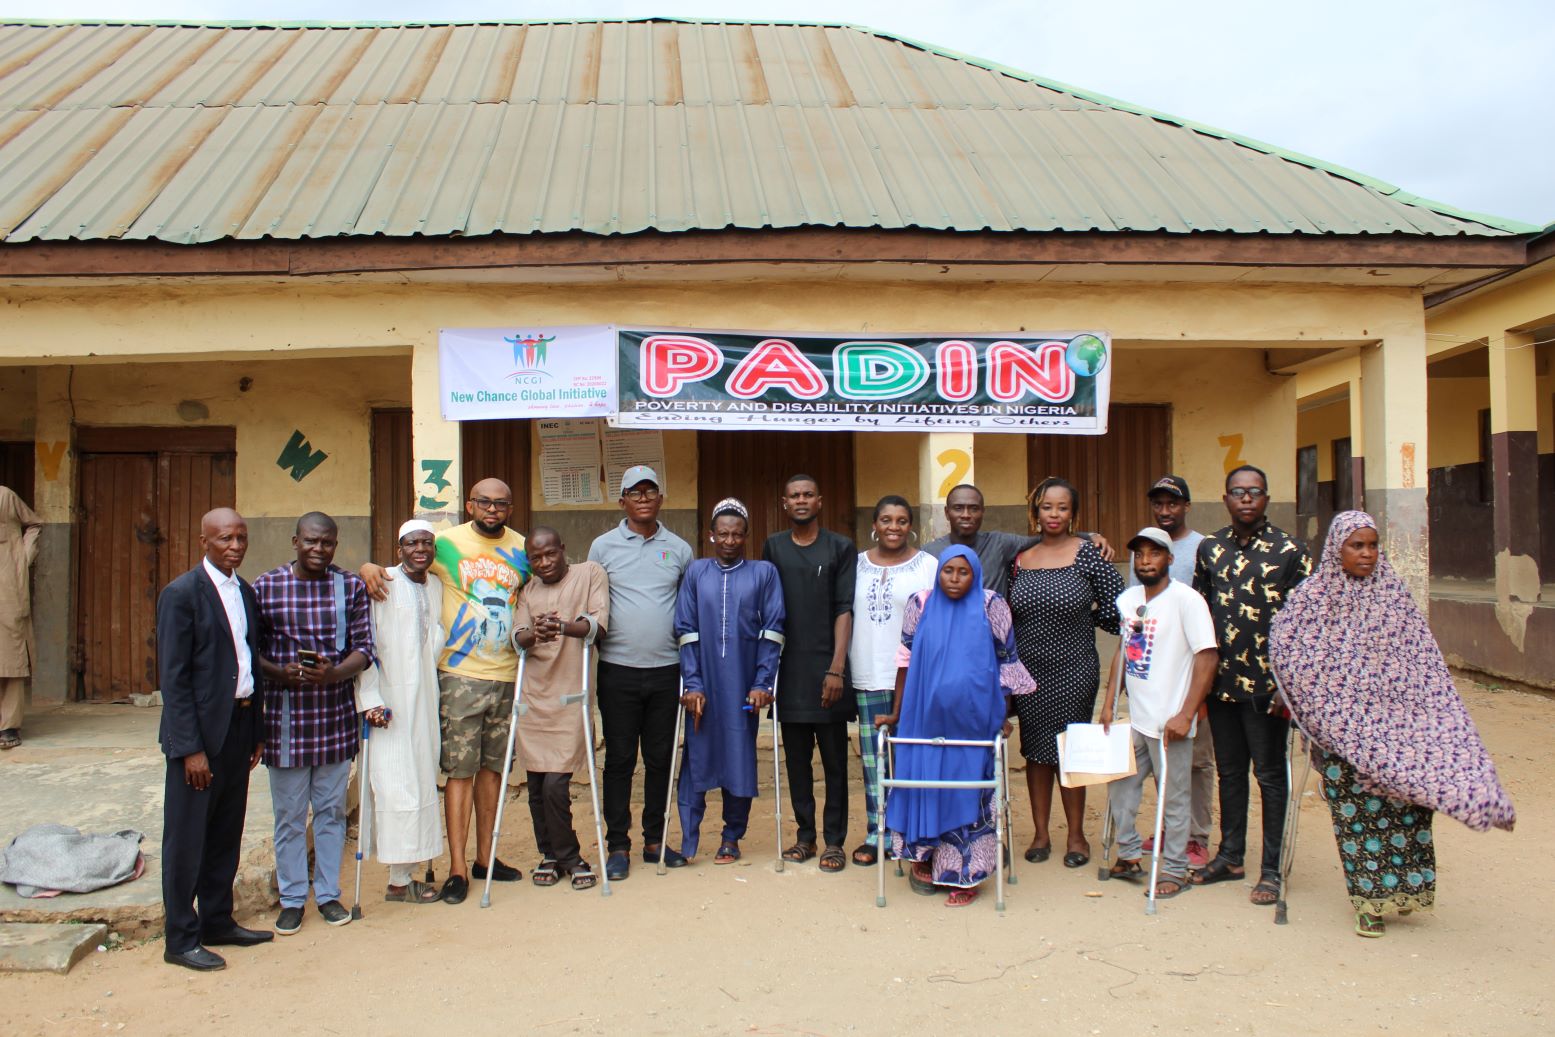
(639, 666)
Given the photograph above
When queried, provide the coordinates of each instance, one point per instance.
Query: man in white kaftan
(400, 698)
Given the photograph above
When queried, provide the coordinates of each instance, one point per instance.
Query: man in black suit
(212, 735)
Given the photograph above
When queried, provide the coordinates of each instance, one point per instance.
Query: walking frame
(588, 741)
(885, 779)
(507, 767)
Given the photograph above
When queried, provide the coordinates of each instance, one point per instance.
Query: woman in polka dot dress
(1061, 590)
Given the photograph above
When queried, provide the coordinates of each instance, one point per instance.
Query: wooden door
(117, 577)
(392, 492)
(497, 450)
(17, 463)
(753, 466)
(1111, 472)
(142, 495)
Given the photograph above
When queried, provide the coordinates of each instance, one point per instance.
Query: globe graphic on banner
(1086, 355)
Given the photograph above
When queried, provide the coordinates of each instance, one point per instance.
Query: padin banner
(1055, 382)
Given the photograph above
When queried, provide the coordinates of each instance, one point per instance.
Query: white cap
(1153, 534)
(636, 474)
(413, 526)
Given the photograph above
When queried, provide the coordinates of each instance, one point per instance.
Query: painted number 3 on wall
(955, 463)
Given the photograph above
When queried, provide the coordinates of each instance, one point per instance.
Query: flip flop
(961, 897)
(415, 893)
(1218, 871)
(728, 853)
(921, 884)
(1369, 926)
(865, 855)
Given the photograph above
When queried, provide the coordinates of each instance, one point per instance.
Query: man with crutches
(1168, 659)
(557, 619)
(729, 623)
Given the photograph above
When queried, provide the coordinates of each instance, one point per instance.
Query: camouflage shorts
(474, 716)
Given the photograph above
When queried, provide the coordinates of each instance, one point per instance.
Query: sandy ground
(743, 949)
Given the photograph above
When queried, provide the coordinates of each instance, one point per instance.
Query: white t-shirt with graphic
(1159, 649)
(880, 594)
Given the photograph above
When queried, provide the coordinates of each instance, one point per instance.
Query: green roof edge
(1382, 187)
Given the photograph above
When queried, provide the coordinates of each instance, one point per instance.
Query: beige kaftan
(19, 529)
(550, 735)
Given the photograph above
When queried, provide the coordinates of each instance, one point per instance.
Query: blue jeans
(292, 791)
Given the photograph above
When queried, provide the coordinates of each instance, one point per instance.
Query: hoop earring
(874, 538)
(914, 534)
(710, 540)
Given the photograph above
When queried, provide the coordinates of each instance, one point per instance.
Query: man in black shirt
(817, 569)
(1245, 571)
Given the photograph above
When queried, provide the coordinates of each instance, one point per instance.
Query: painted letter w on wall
(299, 458)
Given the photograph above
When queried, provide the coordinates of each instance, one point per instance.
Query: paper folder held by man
(1088, 754)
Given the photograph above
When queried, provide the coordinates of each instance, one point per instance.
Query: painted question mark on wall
(1233, 445)
(959, 462)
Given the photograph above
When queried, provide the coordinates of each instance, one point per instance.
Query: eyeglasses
(1247, 493)
(486, 504)
(641, 495)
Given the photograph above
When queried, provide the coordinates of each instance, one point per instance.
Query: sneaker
(1198, 854)
(333, 913)
(288, 921)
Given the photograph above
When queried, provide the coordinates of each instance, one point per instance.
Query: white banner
(527, 372)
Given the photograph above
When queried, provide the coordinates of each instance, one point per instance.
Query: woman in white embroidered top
(889, 573)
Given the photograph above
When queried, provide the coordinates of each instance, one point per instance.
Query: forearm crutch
(669, 804)
(777, 757)
(507, 768)
(588, 742)
(1292, 815)
(1160, 821)
(364, 822)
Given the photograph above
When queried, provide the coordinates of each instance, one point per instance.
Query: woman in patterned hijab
(1393, 742)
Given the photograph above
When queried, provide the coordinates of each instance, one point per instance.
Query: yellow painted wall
(1453, 410)
(327, 400)
(18, 402)
(1319, 427)
(886, 462)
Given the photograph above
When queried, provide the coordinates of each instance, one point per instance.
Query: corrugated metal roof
(195, 133)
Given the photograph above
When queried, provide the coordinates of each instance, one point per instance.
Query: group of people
(954, 639)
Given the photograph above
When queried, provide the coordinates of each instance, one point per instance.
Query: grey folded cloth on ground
(49, 859)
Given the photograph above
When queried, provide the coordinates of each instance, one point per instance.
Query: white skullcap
(413, 526)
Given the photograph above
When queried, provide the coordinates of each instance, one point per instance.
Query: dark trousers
(637, 709)
(799, 744)
(201, 835)
(1245, 735)
(550, 807)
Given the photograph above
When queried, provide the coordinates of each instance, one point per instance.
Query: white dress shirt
(237, 619)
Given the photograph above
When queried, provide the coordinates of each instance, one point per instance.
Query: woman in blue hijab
(956, 669)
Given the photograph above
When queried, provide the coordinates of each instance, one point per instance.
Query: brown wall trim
(206, 439)
(805, 245)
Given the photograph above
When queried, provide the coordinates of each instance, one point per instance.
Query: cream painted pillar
(1514, 452)
(1393, 391)
(53, 589)
(436, 480)
(54, 443)
(945, 459)
(1357, 444)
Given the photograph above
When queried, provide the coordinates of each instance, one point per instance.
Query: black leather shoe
(288, 921)
(199, 959)
(333, 913)
(455, 889)
(499, 873)
(237, 936)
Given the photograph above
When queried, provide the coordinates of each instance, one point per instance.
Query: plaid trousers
(870, 705)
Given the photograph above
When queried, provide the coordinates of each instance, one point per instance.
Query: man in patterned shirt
(315, 637)
(1245, 571)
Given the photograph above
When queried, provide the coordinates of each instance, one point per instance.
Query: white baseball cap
(636, 474)
(1153, 534)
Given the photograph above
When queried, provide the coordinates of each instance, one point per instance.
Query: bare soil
(743, 949)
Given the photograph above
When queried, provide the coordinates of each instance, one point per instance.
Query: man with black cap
(1169, 504)
(1169, 659)
(639, 665)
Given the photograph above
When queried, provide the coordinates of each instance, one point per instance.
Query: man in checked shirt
(315, 637)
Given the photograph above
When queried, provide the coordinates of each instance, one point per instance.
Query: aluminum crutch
(1160, 821)
(1292, 816)
(364, 822)
(669, 804)
(588, 742)
(507, 769)
(777, 757)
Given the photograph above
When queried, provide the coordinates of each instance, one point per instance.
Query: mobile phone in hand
(308, 657)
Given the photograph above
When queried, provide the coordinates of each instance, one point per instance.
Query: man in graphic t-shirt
(482, 566)
(1169, 661)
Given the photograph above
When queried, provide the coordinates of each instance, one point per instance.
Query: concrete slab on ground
(98, 768)
(47, 947)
